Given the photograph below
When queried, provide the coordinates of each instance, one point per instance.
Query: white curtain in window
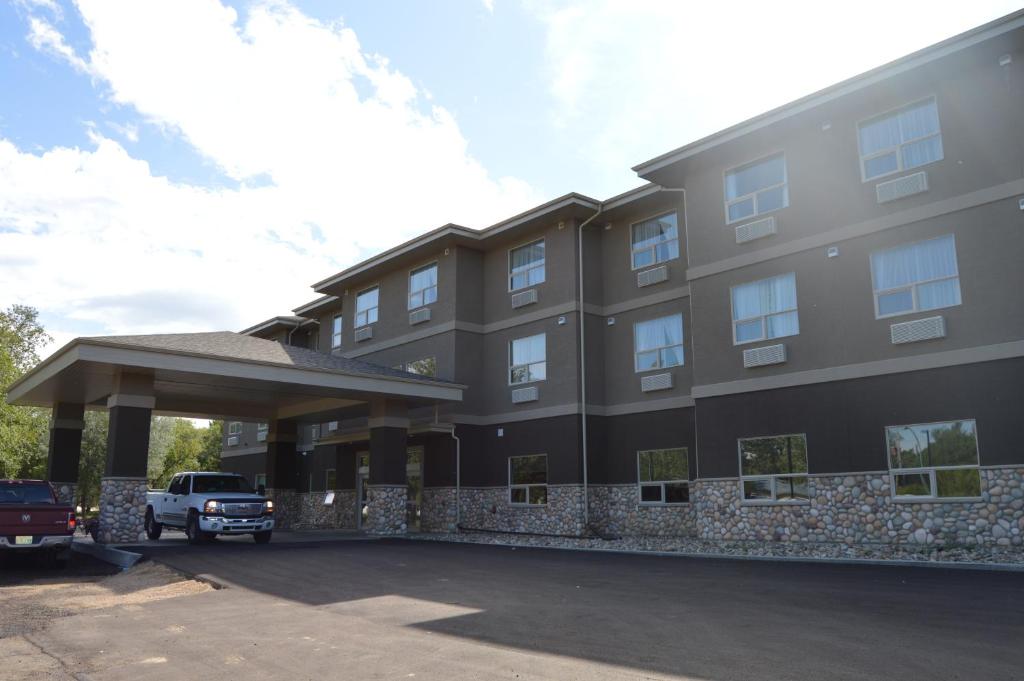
(527, 255)
(923, 261)
(659, 333)
(424, 278)
(764, 297)
(879, 135)
(367, 300)
(654, 231)
(528, 350)
(755, 176)
(919, 121)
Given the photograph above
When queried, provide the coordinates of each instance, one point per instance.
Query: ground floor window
(663, 476)
(528, 480)
(934, 460)
(261, 480)
(774, 469)
(330, 479)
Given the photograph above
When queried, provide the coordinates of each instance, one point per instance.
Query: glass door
(362, 483)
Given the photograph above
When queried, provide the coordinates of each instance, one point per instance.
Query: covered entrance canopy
(219, 375)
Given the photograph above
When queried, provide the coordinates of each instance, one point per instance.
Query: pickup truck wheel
(262, 537)
(153, 528)
(192, 531)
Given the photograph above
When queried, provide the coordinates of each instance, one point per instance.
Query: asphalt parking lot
(406, 609)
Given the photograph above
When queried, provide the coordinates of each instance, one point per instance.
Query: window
(527, 359)
(655, 240)
(528, 480)
(774, 468)
(423, 286)
(332, 426)
(330, 479)
(935, 460)
(916, 277)
(235, 428)
(765, 309)
(315, 432)
(663, 476)
(336, 332)
(260, 480)
(756, 188)
(658, 343)
(900, 140)
(526, 266)
(261, 432)
(423, 367)
(366, 307)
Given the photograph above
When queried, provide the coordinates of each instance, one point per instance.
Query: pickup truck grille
(254, 508)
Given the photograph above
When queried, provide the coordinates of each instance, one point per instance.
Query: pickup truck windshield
(205, 484)
(13, 493)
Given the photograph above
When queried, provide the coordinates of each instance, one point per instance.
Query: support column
(66, 427)
(283, 472)
(124, 486)
(388, 487)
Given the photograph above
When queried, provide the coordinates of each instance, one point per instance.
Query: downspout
(458, 478)
(583, 372)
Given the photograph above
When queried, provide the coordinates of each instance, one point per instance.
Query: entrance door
(362, 491)
(414, 496)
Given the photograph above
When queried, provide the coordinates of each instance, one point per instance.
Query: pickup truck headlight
(211, 507)
(268, 506)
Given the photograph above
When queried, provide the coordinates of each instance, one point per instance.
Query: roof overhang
(85, 371)
(274, 323)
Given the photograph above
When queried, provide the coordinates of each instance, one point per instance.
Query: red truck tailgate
(34, 519)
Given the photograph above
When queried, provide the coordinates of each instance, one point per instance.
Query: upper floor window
(934, 460)
(423, 367)
(526, 266)
(261, 432)
(528, 480)
(655, 240)
(765, 309)
(774, 468)
(756, 188)
(663, 476)
(423, 286)
(315, 432)
(527, 359)
(366, 306)
(234, 427)
(900, 140)
(916, 277)
(336, 332)
(658, 343)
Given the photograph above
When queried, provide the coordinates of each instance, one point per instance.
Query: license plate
(23, 539)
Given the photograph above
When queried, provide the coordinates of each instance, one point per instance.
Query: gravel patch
(698, 547)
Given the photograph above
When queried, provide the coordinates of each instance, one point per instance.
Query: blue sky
(185, 165)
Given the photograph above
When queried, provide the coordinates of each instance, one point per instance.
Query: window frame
(757, 212)
(542, 266)
(681, 345)
(512, 367)
(356, 313)
(914, 285)
(661, 483)
(764, 318)
(327, 477)
(231, 428)
(314, 432)
(337, 330)
(411, 292)
(933, 498)
(773, 477)
(262, 430)
(527, 486)
(895, 111)
(633, 251)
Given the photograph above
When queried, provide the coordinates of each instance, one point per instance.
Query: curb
(948, 565)
(108, 554)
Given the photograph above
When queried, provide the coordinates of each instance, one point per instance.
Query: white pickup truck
(208, 504)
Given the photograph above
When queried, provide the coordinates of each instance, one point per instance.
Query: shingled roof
(235, 346)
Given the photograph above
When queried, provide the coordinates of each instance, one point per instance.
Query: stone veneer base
(386, 509)
(488, 508)
(438, 510)
(122, 510)
(66, 492)
(616, 510)
(312, 513)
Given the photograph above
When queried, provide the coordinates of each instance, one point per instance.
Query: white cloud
(357, 162)
(636, 78)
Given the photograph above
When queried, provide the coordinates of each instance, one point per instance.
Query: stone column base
(66, 492)
(440, 510)
(122, 510)
(386, 509)
(287, 507)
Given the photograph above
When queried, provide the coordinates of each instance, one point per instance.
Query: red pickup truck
(31, 519)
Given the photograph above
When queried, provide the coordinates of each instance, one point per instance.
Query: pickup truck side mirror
(261, 490)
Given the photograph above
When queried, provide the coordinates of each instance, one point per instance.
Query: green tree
(24, 431)
(191, 449)
(161, 433)
(94, 459)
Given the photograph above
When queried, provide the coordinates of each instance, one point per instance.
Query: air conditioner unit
(419, 316)
(902, 187)
(655, 276)
(918, 330)
(232, 440)
(521, 395)
(764, 356)
(757, 229)
(524, 298)
(364, 333)
(656, 382)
